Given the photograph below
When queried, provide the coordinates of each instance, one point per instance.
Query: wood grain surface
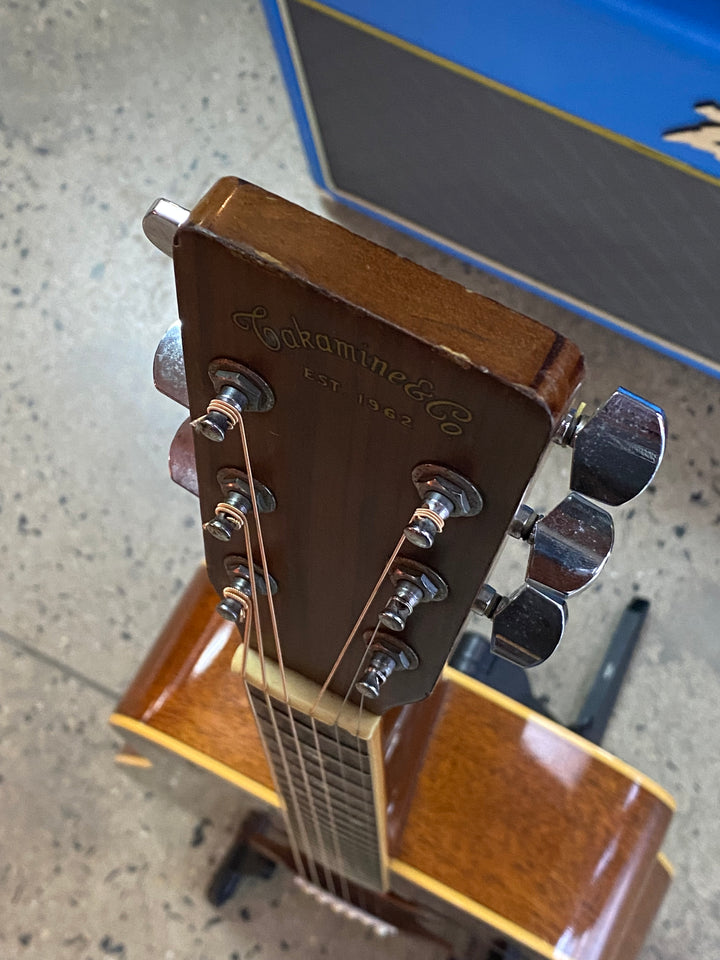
(377, 365)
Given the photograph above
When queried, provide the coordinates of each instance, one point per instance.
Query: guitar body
(505, 831)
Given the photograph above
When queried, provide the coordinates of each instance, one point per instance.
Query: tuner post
(231, 512)
(234, 604)
(238, 595)
(387, 654)
(238, 390)
(444, 493)
(229, 516)
(223, 413)
(414, 584)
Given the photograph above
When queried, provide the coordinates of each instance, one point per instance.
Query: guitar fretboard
(325, 776)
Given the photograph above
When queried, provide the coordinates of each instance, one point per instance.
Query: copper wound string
(356, 626)
(297, 858)
(285, 697)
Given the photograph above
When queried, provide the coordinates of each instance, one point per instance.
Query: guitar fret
(304, 733)
(323, 774)
(335, 813)
(342, 828)
(343, 785)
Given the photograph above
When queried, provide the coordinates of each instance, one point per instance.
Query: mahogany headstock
(374, 366)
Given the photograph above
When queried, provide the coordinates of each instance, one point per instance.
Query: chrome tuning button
(181, 459)
(616, 452)
(169, 367)
(161, 222)
(568, 546)
(414, 584)
(230, 513)
(444, 493)
(527, 626)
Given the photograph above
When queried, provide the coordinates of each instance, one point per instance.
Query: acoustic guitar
(361, 433)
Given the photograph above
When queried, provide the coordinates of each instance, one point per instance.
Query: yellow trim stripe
(666, 865)
(133, 760)
(197, 757)
(597, 753)
(509, 91)
(475, 909)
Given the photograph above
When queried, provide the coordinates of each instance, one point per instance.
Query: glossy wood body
(499, 820)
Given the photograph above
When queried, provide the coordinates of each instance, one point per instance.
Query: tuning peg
(169, 366)
(527, 626)
(616, 453)
(387, 654)
(161, 222)
(444, 493)
(414, 583)
(239, 389)
(238, 594)
(182, 459)
(230, 513)
(568, 546)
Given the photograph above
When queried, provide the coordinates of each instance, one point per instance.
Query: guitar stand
(242, 860)
(473, 657)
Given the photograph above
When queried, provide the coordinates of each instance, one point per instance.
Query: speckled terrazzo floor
(103, 107)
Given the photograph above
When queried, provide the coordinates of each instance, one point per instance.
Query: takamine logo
(706, 136)
(450, 415)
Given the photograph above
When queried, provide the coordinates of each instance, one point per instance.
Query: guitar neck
(327, 765)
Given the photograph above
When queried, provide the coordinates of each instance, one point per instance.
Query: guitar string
(371, 825)
(281, 667)
(344, 649)
(344, 778)
(356, 626)
(340, 863)
(343, 773)
(295, 847)
(297, 858)
(356, 675)
(339, 659)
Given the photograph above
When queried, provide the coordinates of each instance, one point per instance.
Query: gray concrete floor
(103, 107)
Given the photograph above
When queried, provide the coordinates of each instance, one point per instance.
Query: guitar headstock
(368, 387)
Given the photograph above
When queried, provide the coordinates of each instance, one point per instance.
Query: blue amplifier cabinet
(572, 146)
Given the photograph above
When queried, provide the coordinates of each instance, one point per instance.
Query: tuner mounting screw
(522, 525)
(487, 600)
(444, 493)
(414, 583)
(387, 654)
(573, 421)
(223, 413)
